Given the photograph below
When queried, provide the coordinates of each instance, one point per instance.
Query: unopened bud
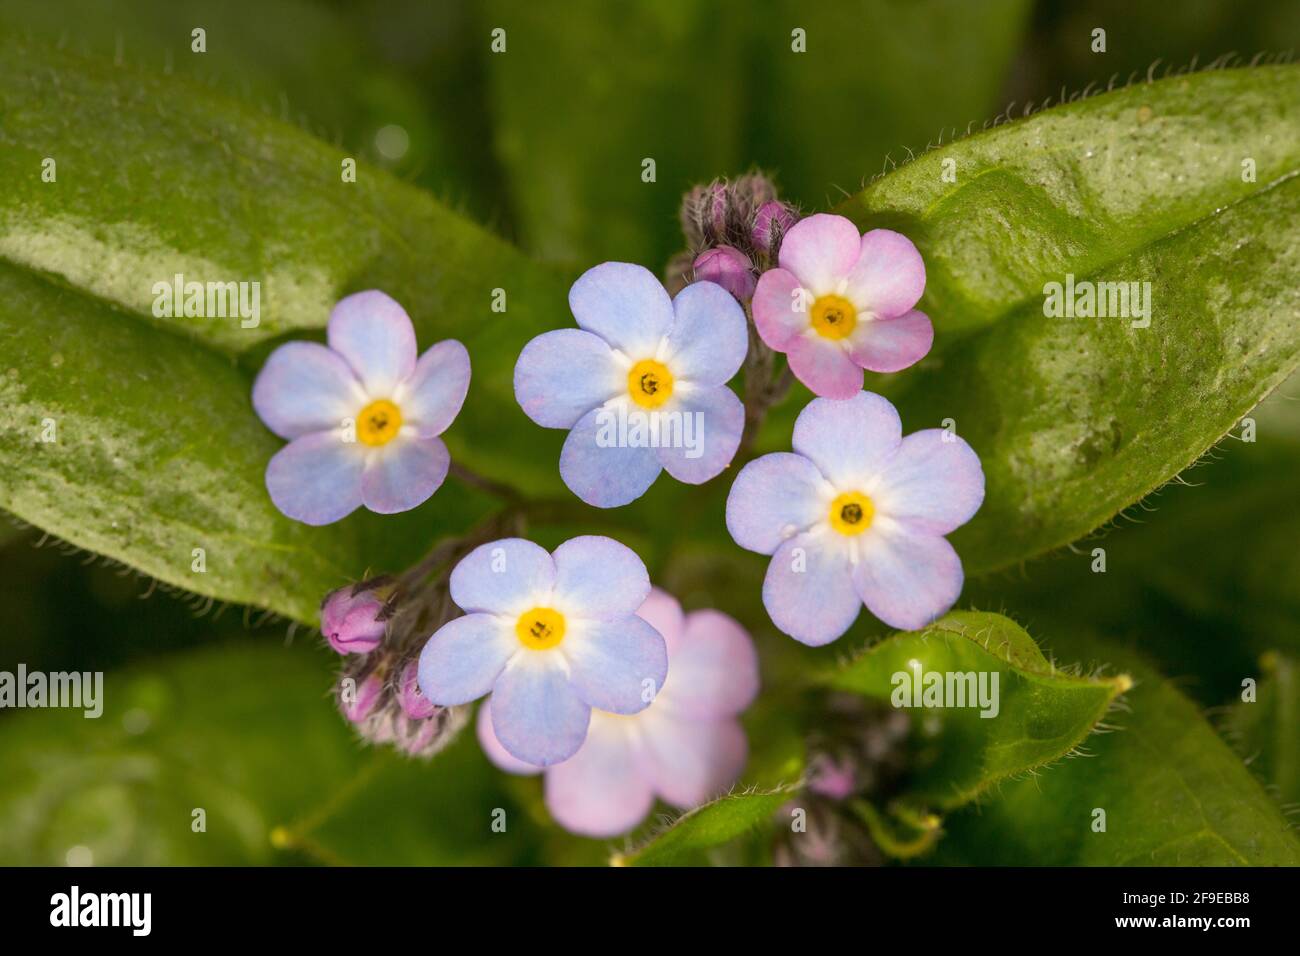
(358, 701)
(414, 704)
(729, 268)
(772, 221)
(353, 621)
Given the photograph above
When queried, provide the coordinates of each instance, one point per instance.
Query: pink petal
(662, 611)
(712, 668)
(776, 317)
(889, 275)
(602, 790)
(889, 345)
(824, 366)
(821, 250)
(693, 761)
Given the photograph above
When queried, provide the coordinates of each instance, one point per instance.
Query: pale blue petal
(850, 439)
(709, 428)
(305, 387)
(375, 335)
(709, 335)
(625, 305)
(609, 476)
(404, 473)
(562, 375)
(465, 657)
(536, 715)
(599, 578)
(503, 577)
(907, 580)
(934, 483)
(432, 397)
(772, 499)
(618, 666)
(487, 739)
(316, 479)
(809, 591)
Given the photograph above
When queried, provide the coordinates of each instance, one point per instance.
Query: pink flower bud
(772, 221)
(352, 622)
(358, 701)
(414, 704)
(729, 268)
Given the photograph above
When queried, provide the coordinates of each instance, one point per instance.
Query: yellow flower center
(650, 383)
(378, 423)
(540, 629)
(833, 316)
(851, 513)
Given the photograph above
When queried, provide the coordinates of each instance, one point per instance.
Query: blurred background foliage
(544, 145)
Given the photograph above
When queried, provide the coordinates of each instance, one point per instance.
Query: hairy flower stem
(767, 380)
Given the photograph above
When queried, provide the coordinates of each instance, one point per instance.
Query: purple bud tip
(351, 622)
(729, 268)
(414, 704)
(831, 779)
(357, 701)
(772, 221)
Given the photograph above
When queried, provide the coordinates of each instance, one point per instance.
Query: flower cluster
(734, 230)
(587, 675)
(377, 691)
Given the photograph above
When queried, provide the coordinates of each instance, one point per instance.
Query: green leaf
(159, 451)
(1173, 793)
(1039, 712)
(686, 841)
(215, 730)
(1266, 730)
(1205, 577)
(1076, 419)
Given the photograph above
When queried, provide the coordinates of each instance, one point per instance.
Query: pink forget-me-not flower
(857, 515)
(641, 384)
(362, 415)
(841, 302)
(685, 748)
(550, 636)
